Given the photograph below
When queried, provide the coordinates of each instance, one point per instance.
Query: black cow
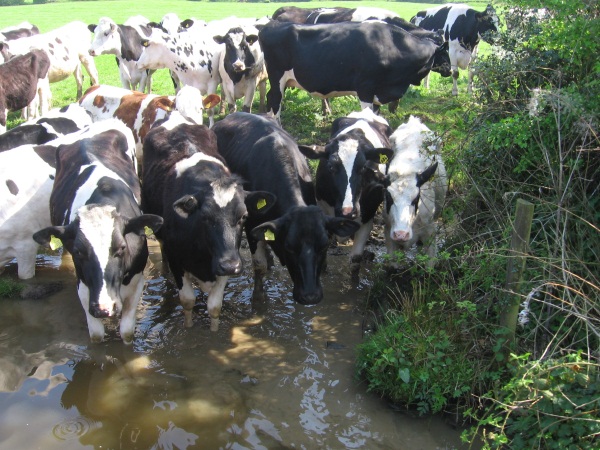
(463, 28)
(56, 123)
(94, 207)
(204, 207)
(349, 182)
(375, 60)
(19, 78)
(269, 159)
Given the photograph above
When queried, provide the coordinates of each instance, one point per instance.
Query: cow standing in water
(463, 29)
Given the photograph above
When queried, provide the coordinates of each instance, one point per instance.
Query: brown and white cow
(21, 79)
(140, 111)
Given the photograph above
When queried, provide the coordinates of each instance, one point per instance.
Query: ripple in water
(73, 428)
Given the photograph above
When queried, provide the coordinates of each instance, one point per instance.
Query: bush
(11, 2)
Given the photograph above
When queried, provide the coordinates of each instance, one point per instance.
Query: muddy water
(275, 376)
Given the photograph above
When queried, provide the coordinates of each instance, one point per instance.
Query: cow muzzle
(99, 313)
(401, 236)
(92, 52)
(229, 267)
(349, 212)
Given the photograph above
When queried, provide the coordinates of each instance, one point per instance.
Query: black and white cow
(21, 79)
(94, 209)
(349, 181)
(376, 61)
(204, 207)
(24, 29)
(194, 57)
(416, 188)
(124, 41)
(242, 68)
(463, 28)
(56, 123)
(268, 159)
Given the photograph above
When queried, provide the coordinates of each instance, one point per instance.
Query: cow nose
(92, 52)
(400, 235)
(229, 267)
(98, 312)
(238, 66)
(349, 212)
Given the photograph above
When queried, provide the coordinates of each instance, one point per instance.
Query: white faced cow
(463, 28)
(416, 190)
(123, 41)
(27, 176)
(21, 80)
(194, 57)
(67, 47)
(349, 181)
(140, 111)
(204, 207)
(259, 150)
(95, 213)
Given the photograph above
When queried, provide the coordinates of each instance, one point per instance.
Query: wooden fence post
(514, 275)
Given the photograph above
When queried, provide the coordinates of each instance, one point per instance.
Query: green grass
(10, 288)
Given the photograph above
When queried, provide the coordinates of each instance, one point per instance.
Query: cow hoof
(127, 339)
(214, 324)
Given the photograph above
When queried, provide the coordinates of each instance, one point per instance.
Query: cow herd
(100, 174)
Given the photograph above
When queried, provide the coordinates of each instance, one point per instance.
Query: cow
(268, 159)
(463, 28)
(416, 189)
(324, 60)
(94, 210)
(349, 180)
(242, 68)
(204, 207)
(140, 111)
(67, 47)
(24, 29)
(56, 123)
(193, 57)
(21, 79)
(27, 176)
(123, 41)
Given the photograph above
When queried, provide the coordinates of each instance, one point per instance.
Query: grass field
(52, 15)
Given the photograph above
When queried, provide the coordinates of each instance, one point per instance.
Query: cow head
(441, 61)
(239, 57)
(342, 163)
(300, 239)
(488, 24)
(107, 40)
(190, 104)
(212, 220)
(155, 52)
(103, 244)
(402, 201)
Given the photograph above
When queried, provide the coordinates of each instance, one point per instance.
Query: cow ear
(340, 226)
(92, 27)
(113, 27)
(219, 39)
(145, 42)
(185, 206)
(44, 236)
(379, 155)
(266, 231)
(426, 175)
(138, 224)
(313, 151)
(259, 202)
(187, 23)
(251, 39)
(211, 100)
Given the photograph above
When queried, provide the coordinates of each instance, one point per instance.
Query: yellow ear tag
(383, 159)
(148, 231)
(55, 243)
(261, 203)
(269, 236)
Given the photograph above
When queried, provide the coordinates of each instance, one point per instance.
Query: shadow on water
(275, 376)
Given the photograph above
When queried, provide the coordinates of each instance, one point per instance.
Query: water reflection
(276, 375)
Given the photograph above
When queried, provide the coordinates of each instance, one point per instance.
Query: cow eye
(415, 202)
(243, 219)
(119, 252)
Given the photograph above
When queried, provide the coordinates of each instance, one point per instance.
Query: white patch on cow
(95, 326)
(347, 150)
(223, 195)
(363, 13)
(97, 224)
(370, 135)
(196, 158)
(368, 115)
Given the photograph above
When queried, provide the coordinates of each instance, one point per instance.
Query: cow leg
(187, 297)
(26, 260)
(95, 326)
(215, 302)
(44, 94)
(326, 107)
(249, 97)
(358, 247)
(131, 295)
(261, 267)
(228, 92)
(262, 90)
(177, 84)
(90, 67)
(3, 114)
(78, 74)
(455, 80)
